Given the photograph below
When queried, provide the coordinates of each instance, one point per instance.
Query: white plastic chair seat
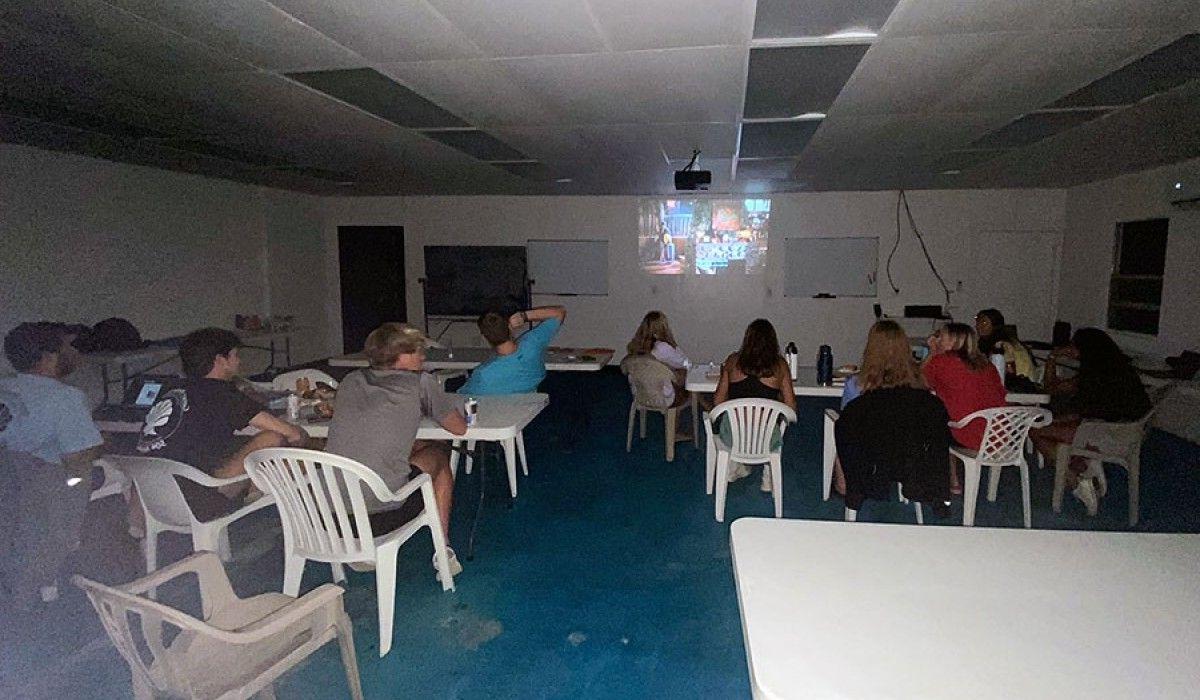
(1101, 442)
(325, 518)
(239, 649)
(752, 424)
(115, 482)
(166, 510)
(287, 380)
(1004, 436)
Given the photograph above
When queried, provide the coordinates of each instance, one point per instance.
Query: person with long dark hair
(997, 337)
(756, 371)
(1106, 388)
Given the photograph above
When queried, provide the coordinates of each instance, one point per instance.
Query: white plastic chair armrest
(962, 422)
(708, 426)
(203, 479)
(215, 590)
(832, 414)
(285, 617)
(411, 487)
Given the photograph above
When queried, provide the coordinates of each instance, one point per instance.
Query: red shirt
(965, 391)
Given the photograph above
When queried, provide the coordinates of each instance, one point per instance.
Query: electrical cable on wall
(902, 200)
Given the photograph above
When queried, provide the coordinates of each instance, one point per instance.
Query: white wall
(85, 239)
(973, 236)
(1093, 212)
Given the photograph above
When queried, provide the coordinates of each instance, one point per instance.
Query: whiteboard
(843, 267)
(568, 267)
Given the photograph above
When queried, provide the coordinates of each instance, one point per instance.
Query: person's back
(1116, 394)
(894, 434)
(519, 365)
(964, 379)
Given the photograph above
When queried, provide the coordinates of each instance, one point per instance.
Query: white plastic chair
(324, 514)
(287, 380)
(239, 648)
(166, 510)
(828, 452)
(1004, 437)
(671, 419)
(1101, 442)
(115, 482)
(752, 424)
(647, 378)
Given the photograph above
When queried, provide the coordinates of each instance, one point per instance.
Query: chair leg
(345, 633)
(339, 572)
(851, 515)
(469, 461)
(293, 571)
(510, 462)
(642, 412)
(454, 456)
(629, 429)
(1061, 460)
(993, 483)
(150, 547)
(1025, 495)
(1135, 468)
(920, 514)
(970, 491)
(671, 416)
(828, 455)
(224, 550)
(776, 467)
(267, 692)
(721, 481)
(695, 420)
(385, 594)
(521, 453)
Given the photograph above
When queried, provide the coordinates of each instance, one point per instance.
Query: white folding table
(859, 610)
(557, 359)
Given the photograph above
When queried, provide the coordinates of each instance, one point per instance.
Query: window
(1135, 292)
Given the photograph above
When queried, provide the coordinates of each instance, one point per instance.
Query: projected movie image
(703, 236)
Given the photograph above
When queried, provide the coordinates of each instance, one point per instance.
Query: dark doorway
(371, 261)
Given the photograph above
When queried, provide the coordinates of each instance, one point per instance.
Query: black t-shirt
(195, 422)
(1115, 395)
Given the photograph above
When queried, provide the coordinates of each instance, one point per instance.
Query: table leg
(105, 380)
(510, 461)
(695, 420)
(478, 459)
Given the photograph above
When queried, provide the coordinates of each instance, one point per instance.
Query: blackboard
(470, 280)
(842, 267)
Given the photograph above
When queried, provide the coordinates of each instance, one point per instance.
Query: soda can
(471, 410)
(293, 407)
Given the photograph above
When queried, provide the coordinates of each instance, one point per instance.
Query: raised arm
(536, 315)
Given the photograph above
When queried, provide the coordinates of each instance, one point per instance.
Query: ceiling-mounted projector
(689, 179)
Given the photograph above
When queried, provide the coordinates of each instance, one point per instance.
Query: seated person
(895, 430)
(965, 381)
(996, 337)
(520, 364)
(379, 410)
(756, 371)
(47, 444)
(653, 338)
(195, 420)
(1106, 388)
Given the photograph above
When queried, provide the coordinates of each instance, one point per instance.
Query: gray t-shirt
(376, 419)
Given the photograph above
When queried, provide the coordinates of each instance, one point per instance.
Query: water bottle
(792, 355)
(825, 366)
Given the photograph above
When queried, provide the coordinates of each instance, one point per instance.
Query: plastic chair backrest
(320, 500)
(141, 630)
(647, 378)
(1006, 430)
(157, 487)
(287, 380)
(752, 423)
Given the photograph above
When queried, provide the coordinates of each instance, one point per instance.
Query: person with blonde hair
(895, 430)
(653, 338)
(965, 381)
(379, 410)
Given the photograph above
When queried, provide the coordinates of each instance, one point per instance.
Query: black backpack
(111, 335)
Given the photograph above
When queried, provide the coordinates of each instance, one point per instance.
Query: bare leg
(235, 464)
(839, 477)
(955, 485)
(433, 458)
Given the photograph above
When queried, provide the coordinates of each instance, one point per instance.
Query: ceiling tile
(252, 30)
(484, 93)
(712, 140)
(378, 94)
(637, 24)
(786, 82)
(981, 16)
(788, 18)
(1034, 127)
(765, 169)
(477, 144)
(776, 139)
(1158, 71)
(384, 30)
(524, 27)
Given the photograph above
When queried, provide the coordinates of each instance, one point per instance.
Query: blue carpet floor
(607, 578)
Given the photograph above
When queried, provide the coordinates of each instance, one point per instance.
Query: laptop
(140, 395)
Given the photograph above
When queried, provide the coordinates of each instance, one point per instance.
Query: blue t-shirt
(851, 390)
(45, 418)
(518, 373)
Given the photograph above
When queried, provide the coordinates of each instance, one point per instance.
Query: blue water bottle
(825, 366)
